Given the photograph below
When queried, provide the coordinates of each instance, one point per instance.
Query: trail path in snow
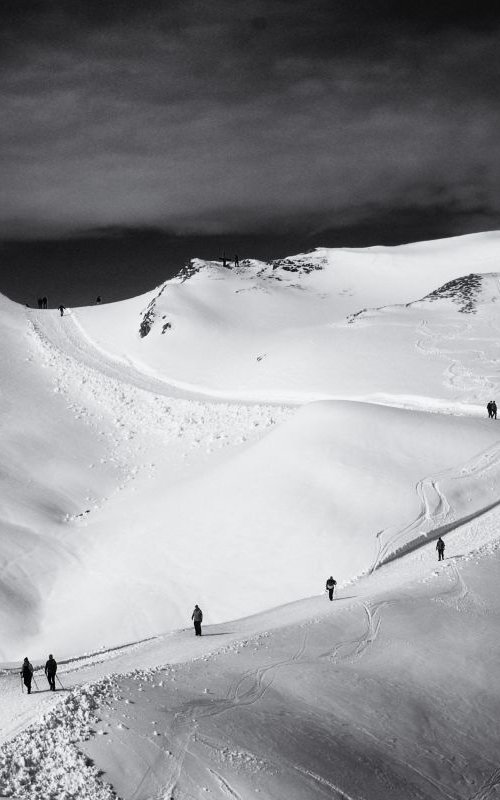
(146, 412)
(187, 750)
(187, 762)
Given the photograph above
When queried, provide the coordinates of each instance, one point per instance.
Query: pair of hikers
(50, 672)
(492, 409)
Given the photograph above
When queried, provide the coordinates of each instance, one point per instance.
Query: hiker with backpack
(330, 587)
(27, 674)
(197, 617)
(50, 672)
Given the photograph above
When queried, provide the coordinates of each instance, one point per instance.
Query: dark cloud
(244, 117)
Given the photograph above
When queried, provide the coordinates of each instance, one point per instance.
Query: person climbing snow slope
(197, 617)
(330, 586)
(440, 549)
(50, 671)
(27, 674)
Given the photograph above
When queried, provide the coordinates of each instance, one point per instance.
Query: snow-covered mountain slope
(271, 330)
(162, 451)
(106, 462)
(318, 489)
(388, 692)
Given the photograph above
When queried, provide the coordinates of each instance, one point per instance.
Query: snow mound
(261, 527)
(266, 331)
(44, 760)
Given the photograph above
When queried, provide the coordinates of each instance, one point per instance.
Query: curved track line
(188, 719)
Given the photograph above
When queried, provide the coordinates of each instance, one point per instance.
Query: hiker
(236, 260)
(50, 671)
(493, 409)
(61, 309)
(197, 617)
(489, 409)
(40, 302)
(27, 674)
(440, 549)
(44, 302)
(330, 586)
(98, 299)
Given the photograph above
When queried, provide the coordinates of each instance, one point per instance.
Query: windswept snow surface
(165, 450)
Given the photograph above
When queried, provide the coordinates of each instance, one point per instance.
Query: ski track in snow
(247, 689)
(436, 515)
(43, 756)
(488, 789)
(470, 371)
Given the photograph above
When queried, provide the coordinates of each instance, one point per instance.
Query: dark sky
(135, 135)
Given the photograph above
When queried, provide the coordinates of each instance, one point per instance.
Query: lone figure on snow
(197, 617)
(61, 309)
(440, 549)
(330, 586)
(27, 674)
(50, 671)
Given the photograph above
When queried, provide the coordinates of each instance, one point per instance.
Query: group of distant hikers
(27, 671)
(42, 303)
(50, 672)
(492, 409)
(197, 617)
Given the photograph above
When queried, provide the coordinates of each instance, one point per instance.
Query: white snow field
(231, 439)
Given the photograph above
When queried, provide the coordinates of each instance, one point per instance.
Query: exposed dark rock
(462, 291)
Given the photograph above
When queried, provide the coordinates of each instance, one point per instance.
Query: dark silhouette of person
(27, 674)
(440, 549)
(98, 299)
(50, 671)
(61, 309)
(40, 302)
(197, 617)
(489, 409)
(236, 260)
(44, 302)
(330, 586)
(493, 409)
